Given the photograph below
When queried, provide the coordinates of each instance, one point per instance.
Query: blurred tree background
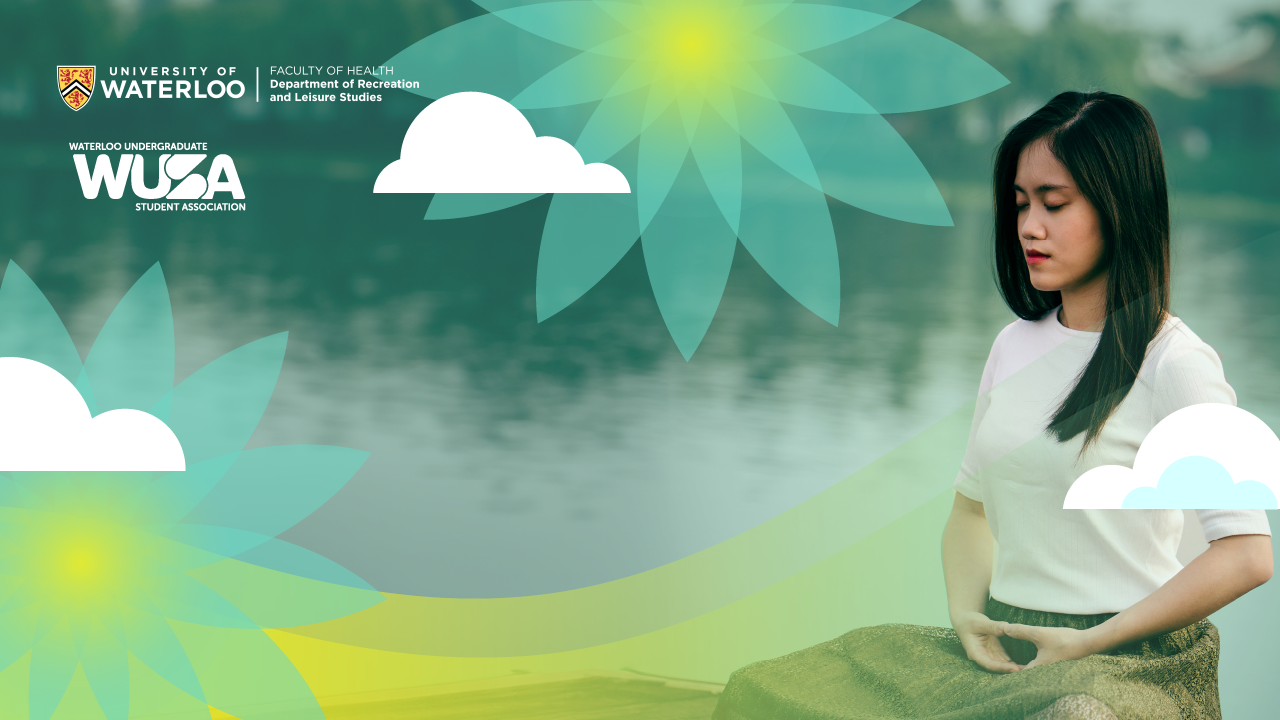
(1221, 129)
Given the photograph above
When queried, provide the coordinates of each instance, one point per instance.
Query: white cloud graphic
(471, 142)
(1236, 439)
(45, 425)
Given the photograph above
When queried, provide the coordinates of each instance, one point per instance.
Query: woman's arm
(1231, 567)
(966, 565)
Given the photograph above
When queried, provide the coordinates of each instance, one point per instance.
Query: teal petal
(494, 6)
(8, 585)
(446, 206)
(162, 407)
(96, 492)
(584, 236)
(755, 14)
(32, 491)
(786, 226)
(796, 81)
(880, 7)
(53, 614)
(640, 74)
(717, 148)
(615, 122)
(745, 77)
(484, 54)
(690, 103)
(804, 26)
(688, 250)
(867, 164)
(275, 598)
(270, 489)
(661, 95)
(584, 78)
(17, 634)
(898, 67)
(172, 553)
(720, 97)
(627, 12)
(106, 667)
(181, 597)
(78, 622)
(769, 129)
(14, 567)
(131, 362)
(153, 562)
(108, 616)
(25, 596)
(564, 122)
(130, 595)
(578, 24)
(30, 328)
(285, 557)
(663, 148)
(204, 541)
(150, 638)
(86, 391)
(168, 498)
(12, 506)
(53, 662)
(217, 408)
(246, 675)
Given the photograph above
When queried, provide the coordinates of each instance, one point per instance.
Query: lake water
(511, 457)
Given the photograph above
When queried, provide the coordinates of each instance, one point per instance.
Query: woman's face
(1058, 228)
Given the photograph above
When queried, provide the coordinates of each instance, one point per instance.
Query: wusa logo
(75, 84)
(131, 170)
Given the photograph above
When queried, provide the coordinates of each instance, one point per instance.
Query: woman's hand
(1052, 643)
(966, 563)
(980, 636)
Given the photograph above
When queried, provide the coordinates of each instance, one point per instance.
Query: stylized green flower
(128, 594)
(730, 118)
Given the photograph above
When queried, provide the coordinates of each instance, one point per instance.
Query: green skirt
(913, 671)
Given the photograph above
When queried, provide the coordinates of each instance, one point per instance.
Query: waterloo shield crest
(75, 83)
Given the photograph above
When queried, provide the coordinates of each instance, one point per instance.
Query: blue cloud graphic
(1197, 482)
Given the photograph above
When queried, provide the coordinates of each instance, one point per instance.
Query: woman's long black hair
(1110, 146)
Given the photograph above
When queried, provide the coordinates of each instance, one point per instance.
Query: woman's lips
(1034, 257)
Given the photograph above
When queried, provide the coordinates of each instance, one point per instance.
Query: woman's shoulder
(1174, 338)
(1018, 344)
(1181, 369)
(1035, 336)
(1021, 329)
(1177, 347)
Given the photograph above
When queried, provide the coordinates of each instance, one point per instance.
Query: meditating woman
(1088, 613)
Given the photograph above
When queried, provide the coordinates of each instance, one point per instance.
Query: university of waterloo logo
(75, 83)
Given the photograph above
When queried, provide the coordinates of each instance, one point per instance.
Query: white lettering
(90, 184)
(163, 184)
(223, 166)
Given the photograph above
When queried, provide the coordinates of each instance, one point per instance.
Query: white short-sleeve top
(1081, 561)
